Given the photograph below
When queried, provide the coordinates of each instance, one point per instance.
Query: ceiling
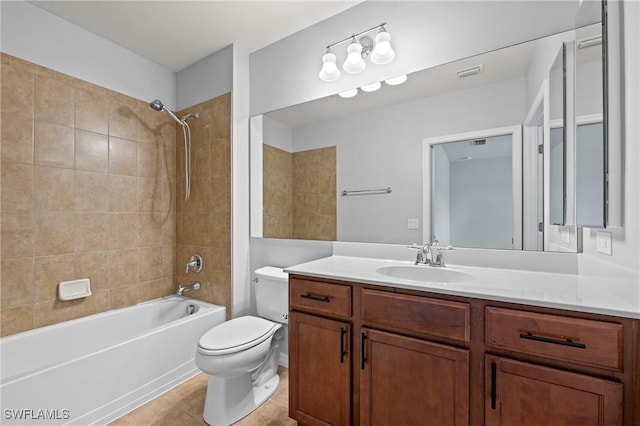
(176, 34)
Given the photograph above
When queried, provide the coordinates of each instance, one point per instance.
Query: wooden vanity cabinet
(374, 355)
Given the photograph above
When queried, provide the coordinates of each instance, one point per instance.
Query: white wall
(206, 79)
(481, 199)
(34, 35)
(373, 154)
(277, 134)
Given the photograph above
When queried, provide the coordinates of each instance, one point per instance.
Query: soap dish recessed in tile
(76, 289)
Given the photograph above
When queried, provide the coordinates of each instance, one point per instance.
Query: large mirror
(353, 169)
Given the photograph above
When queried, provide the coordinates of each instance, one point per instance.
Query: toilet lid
(235, 335)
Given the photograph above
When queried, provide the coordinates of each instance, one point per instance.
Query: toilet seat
(236, 335)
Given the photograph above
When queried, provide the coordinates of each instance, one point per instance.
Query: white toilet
(241, 355)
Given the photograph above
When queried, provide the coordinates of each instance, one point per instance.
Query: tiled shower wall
(88, 191)
(299, 194)
(204, 221)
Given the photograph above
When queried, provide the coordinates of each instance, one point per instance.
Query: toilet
(241, 355)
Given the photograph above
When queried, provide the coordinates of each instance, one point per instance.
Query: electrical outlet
(603, 243)
(412, 223)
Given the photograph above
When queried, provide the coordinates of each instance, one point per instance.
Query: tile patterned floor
(183, 405)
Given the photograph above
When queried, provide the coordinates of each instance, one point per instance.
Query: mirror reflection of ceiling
(499, 65)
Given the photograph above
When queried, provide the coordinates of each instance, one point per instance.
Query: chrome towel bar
(367, 191)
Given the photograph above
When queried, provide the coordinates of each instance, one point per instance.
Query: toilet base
(228, 400)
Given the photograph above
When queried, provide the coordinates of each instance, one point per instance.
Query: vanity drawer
(581, 341)
(417, 313)
(320, 297)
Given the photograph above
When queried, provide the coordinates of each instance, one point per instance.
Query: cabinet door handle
(363, 358)
(316, 298)
(343, 332)
(567, 342)
(493, 385)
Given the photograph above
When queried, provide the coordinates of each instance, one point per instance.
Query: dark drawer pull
(316, 298)
(567, 342)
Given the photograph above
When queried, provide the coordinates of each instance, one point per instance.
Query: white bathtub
(93, 370)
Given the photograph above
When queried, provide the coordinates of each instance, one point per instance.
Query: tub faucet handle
(195, 263)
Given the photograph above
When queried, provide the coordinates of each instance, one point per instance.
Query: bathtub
(93, 370)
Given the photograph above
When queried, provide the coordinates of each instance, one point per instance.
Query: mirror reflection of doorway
(473, 192)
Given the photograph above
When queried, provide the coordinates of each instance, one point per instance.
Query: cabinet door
(519, 393)
(320, 370)
(406, 381)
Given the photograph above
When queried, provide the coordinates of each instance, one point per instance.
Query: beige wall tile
(54, 145)
(150, 159)
(95, 266)
(92, 232)
(17, 137)
(123, 193)
(169, 261)
(54, 101)
(91, 112)
(54, 189)
(123, 156)
(18, 286)
(17, 186)
(149, 264)
(201, 161)
(92, 192)
(150, 229)
(149, 195)
(169, 150)
(49, 272)
(123, 268)
(16, 320)
(123, 231)
(121, 297)
(17, 234)
(91, 151)
(122, 121)
(17, 91)
(54, 233)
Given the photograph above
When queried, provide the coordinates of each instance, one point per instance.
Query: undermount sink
(424, 273)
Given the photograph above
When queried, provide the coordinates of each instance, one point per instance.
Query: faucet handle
(195, 262)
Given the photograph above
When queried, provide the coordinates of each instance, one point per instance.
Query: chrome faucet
(424, 255)
(426, 252)
(184, 288)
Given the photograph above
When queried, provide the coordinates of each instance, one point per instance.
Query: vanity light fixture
(380, 53)
(467, 72)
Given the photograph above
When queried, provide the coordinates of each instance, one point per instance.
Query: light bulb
(396, 80)
(354, 62)
(371, 87)
(350, 93)
(329, 71)
(382, 52)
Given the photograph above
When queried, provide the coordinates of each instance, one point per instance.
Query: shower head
(159, 106)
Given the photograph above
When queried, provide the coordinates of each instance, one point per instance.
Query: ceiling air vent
(476, 69)
(478, 142)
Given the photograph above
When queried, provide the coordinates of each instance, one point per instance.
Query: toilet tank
(272, 293)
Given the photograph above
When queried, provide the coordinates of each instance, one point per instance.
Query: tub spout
(184, 288)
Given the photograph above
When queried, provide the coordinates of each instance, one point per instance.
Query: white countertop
(608, 296)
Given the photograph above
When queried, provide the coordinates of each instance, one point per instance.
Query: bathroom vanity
(366, 348)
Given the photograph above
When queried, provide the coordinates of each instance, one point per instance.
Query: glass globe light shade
(371, 87)
(329, 71)
(396, 80)
(349, 93)
(382, 52)
(354, 62)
